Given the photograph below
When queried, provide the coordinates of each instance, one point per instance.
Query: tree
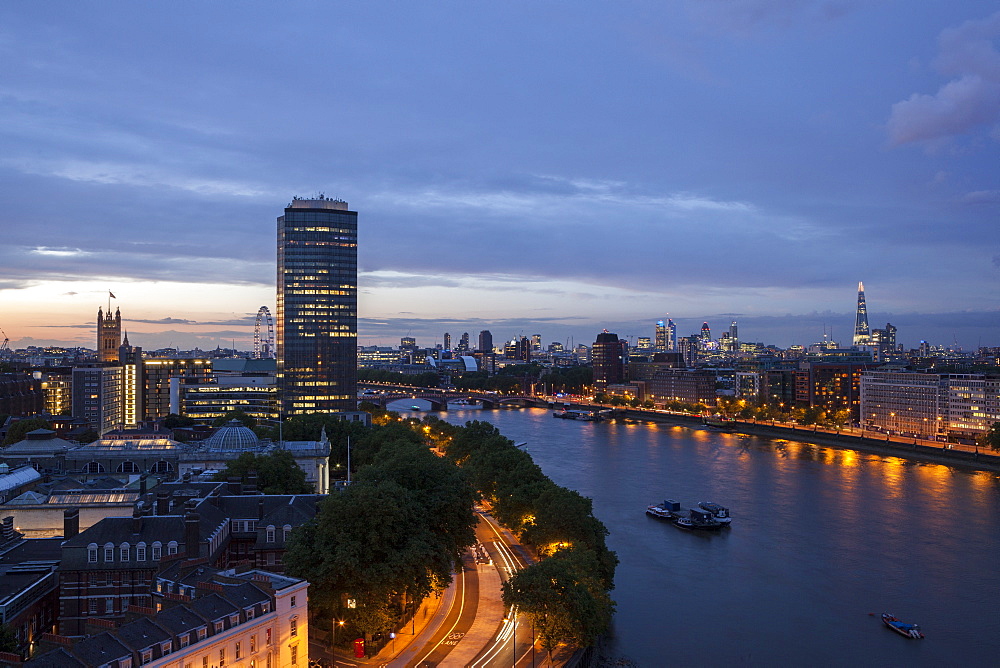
(235, 414)
(372, 542)
(173, 421)
(991, 439)
(8, 640)
(17, 431)
(564, 602)
(277, 472)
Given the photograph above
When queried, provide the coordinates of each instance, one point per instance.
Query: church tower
(109, 335)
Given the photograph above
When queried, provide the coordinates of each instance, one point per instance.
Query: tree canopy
(17, 431)
(277, 472)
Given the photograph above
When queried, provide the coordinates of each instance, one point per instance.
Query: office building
(671, 335)
(862, 334)
(447, 341)
(608, 358)
(660, 337)
(486, 341)
(317, 306)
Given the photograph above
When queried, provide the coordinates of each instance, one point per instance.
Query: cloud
(970, 100)
(982, 197)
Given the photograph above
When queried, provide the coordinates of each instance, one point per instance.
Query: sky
(524, 167)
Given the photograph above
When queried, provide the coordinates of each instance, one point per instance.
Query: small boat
(718, 421)
(665, 511)
(902, 628)
(720, 513)
(698, 519)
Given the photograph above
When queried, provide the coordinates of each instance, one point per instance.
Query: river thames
(821, 537)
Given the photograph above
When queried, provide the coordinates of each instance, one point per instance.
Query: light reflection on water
(821, 537)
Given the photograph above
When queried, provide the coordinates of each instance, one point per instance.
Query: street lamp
(333, 649)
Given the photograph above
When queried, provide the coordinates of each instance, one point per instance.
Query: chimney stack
(71, 522)
(163, 503)
(192, 535)
(137, 518)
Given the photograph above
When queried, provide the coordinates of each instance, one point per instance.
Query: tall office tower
(608, 359)
(407, 343)
(861, 332)
(133, 379)
(463, 343)
(660, 337)
(734, 337)
(671, 335)
(109, 335)
(485, 341)
(518, 349)
(706, 332)
(643, 343)
(536, 343)
(317, 307)
(447, 341)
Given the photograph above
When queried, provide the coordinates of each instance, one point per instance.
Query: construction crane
(3, 346)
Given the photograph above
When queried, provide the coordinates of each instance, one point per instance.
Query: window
(92, 553)
(172, 547)
(267, 637)
(92, 606)
(286, 530)
(109, 605)
(222, 656)
(237, 652)
(293, 627)
(218, 627)
(295, 654)
(124, 551)
(204, 661)
(147, 656)
(264, 608)
(140, 552)
(157, 551)
(249, 612)
(202, 633)
(234, 620)
(185, 639)
(292, 604)
(109, 552)
(270, 534)
(253, 643)
(166, 647)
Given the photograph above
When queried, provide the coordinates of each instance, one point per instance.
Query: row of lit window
(125, 551)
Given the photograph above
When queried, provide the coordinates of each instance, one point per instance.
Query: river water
(821, 537)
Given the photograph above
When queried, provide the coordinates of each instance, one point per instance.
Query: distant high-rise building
(862, 334)
(485, 341)
(643, 343)
(518, 349)
(660, 337)
(109, 335)
(671, 335)
(463, 343)
(706, 332)
(447, 341)
(608, 359)
(407, 343)
(536, 342)
(317, 306)
(734, 336)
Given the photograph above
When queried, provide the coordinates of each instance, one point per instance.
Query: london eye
(263, 347)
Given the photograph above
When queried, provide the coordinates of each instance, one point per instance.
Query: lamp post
(333, 649)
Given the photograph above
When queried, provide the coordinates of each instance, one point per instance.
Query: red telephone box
(359, 648)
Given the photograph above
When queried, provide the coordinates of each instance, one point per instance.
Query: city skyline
(525, 169)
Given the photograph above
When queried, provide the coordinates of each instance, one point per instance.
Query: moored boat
(902, 628)
(718, 421)
(665, 511)
(720, 513)
(698, 519)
